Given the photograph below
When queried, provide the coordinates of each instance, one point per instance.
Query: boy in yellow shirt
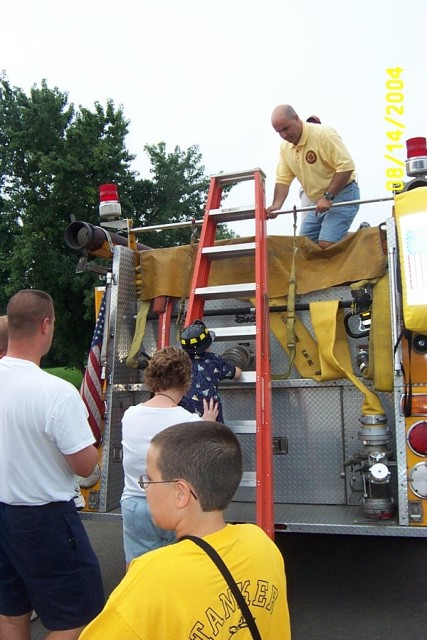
(193, 471)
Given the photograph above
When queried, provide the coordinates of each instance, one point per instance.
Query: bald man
(317, 157)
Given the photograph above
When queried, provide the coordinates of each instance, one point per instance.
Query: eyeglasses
(144, 481)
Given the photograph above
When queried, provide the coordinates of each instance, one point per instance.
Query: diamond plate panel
(312, 416)
(319, 420)
(121, 330)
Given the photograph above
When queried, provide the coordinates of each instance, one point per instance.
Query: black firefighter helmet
(196, 338)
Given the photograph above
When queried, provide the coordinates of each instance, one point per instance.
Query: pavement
(340, 587)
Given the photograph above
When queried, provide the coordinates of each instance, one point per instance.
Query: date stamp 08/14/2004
(394, 117)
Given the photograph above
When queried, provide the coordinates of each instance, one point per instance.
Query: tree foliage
(176, 193)
(52, 160)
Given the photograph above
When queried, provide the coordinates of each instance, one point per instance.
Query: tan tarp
(359, 256)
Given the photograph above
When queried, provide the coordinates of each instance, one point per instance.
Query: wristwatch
(329, 196)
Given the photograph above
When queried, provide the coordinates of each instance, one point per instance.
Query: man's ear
(45, 323)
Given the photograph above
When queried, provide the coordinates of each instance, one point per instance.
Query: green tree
(52, 161)
(53, 158)
(176, 193)
(31, 132)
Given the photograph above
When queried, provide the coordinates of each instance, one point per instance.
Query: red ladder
(200, 292)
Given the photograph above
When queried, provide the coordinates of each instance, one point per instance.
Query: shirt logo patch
(310, 157)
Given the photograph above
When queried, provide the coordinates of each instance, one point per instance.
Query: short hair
(26, 309)
(207, 455)
(3, 335)
(169, 368)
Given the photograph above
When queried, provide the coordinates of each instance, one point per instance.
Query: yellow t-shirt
(178, 593)
(319, 154)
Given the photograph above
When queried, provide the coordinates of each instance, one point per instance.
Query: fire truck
(331, 409)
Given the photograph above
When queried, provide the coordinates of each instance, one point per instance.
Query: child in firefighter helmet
(208, 368)
(196, 338)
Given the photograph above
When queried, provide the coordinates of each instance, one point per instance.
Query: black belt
(349, 183)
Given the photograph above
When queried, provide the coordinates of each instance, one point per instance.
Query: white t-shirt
(139, 425)
(41, 418)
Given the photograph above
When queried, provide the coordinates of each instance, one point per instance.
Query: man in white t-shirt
(46, 560)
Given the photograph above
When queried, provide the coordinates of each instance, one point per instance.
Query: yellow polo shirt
(319, 154)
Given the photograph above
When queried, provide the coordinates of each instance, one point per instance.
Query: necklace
(166, 396)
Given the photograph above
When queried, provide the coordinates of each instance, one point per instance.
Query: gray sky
(210, 73)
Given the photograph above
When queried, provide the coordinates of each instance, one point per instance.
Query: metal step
(248, 479)
(236, 176)
(233, 214)
(247, 377)
(230, 251)
(242, 332)
(243, 290)
(242, 426)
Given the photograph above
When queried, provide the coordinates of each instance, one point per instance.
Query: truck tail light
(417, 438)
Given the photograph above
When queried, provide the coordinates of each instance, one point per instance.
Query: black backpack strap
(216, 558)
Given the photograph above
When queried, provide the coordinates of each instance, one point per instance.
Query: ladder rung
(236, 176)
(230, 251)
(233, 214)
(242, 426)
(256, 384)
(248, 479)
(234, 333)
(247, 377)
(245, 290)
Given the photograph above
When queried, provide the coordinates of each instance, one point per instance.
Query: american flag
(91, 388)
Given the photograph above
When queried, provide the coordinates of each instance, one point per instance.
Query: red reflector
(417, 438)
